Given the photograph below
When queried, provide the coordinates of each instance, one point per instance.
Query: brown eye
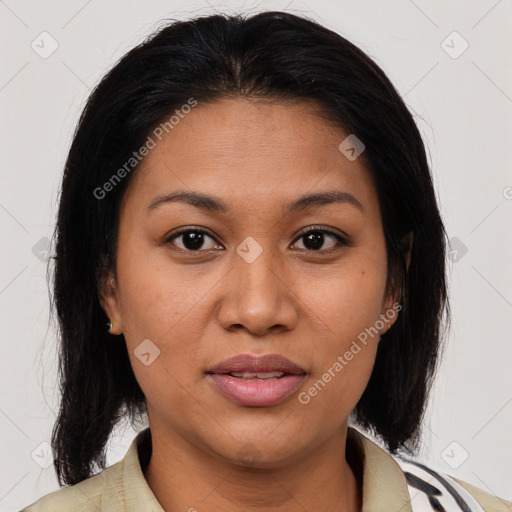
(315, 239)
(193, 240)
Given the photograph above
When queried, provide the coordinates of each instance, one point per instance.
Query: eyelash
(313, 229)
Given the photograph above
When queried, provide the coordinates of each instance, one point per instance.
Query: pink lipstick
(257, 381)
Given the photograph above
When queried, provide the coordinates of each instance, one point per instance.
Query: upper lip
(264, 363)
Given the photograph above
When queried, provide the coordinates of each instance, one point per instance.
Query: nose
(258, 296)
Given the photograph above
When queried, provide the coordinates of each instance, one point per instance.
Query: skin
(202, 307)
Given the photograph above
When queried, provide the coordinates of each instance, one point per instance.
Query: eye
(315, 237)
(192, 240)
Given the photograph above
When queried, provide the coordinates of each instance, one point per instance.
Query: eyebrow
(215, 205)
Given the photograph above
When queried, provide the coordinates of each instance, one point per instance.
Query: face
(198, 283)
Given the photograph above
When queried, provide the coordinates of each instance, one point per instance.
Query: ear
(394, 297)
(109, 299)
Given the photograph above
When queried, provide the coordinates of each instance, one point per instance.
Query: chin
(260, 451)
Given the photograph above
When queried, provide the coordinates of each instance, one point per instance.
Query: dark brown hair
(271, 55)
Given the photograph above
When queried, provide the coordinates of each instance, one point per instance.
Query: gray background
(463, 104)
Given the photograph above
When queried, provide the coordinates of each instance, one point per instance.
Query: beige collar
(384, 484)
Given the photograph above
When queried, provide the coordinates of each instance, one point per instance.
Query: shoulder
(407, 485)
(432, 488)
(92, 494)
(118, 488)
(488, 501)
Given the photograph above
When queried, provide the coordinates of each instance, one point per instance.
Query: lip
(264, 363)
(257, 392)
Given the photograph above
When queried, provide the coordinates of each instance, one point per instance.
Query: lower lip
(256, 393)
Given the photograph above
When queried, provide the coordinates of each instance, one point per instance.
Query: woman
(248, 206)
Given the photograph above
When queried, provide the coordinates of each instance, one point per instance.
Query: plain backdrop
(450, 61)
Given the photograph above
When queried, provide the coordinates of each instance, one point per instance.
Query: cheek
(347, 309)
(350, 297)
(157, 297)
(160, 304)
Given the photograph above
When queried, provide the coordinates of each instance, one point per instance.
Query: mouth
(252, 381)
(255, 376)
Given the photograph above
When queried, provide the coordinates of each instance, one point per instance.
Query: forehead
(241, 150)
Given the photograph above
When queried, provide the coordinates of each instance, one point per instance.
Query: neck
(184, 477)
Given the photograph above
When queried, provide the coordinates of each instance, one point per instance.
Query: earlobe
(109, 301)
(389, 317)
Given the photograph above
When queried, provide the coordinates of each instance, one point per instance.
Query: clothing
(389, 485)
